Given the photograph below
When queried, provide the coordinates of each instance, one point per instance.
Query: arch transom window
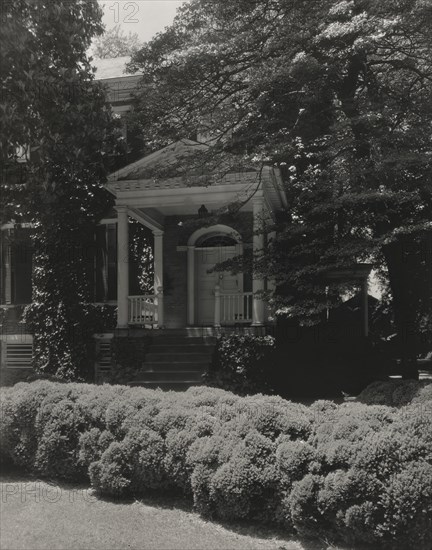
(216, 240)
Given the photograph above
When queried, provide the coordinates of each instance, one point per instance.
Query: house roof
(174, 169)
(167, 162)
(111, 67)
(184, 159)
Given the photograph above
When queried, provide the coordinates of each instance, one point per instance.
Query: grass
(35, 515)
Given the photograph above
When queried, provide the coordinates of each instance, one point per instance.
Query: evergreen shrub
(396, 393)
(351, 474)
(242, 364)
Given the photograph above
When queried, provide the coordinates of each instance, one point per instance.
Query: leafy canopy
(52, 107)
(334, 94)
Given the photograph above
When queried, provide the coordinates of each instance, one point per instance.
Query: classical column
(258, 247)
(158, 274)
(122, 267)
(191, 285)
(217, 316)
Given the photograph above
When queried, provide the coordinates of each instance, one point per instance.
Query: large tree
(115, 43)
(52, 107)
(338, 96)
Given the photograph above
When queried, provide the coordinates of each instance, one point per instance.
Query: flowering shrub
(352, 474)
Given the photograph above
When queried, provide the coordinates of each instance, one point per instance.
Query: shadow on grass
(176, 501)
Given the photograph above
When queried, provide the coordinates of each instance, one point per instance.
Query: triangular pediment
(187, 160)
(168, 162)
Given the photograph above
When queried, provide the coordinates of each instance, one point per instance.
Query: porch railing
(143, 310)
(233, 308)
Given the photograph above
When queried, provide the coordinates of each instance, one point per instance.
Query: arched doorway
(208, 247)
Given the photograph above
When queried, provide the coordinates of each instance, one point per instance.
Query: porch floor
(197, 331)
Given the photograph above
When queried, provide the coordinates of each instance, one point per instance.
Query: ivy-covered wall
(11, 321)
(16, 253)
(100, 319)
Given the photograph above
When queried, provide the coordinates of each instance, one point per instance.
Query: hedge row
(351, 474)
(397, 393)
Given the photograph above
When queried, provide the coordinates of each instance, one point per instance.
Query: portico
(187, 291)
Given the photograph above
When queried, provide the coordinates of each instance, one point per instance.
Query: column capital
(158, 233)
(121, 209)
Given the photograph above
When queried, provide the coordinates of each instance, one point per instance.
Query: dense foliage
(336, 95)
(354, 473)
(127, 358)
(242, 364)
(53, 109)
(141, 258)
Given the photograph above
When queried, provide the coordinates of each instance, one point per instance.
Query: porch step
(155, 357)
(170, 376)
(183, 341)
(174, 366)
(177, 359)
(169, 347)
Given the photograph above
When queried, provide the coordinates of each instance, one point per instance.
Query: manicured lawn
(38, 515)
